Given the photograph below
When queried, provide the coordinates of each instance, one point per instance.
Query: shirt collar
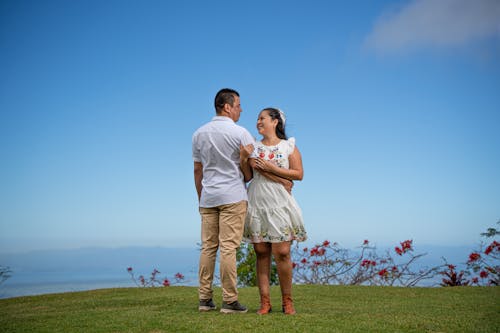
(222, 118)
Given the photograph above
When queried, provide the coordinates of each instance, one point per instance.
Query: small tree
(246, 269)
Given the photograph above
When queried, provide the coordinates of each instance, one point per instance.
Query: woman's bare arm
(288, 184)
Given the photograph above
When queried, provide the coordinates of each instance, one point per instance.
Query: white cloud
(441, 23)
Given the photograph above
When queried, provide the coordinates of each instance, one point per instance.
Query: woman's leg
(263, 254)
(282, 256)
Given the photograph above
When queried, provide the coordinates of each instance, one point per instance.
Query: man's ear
(226, 110)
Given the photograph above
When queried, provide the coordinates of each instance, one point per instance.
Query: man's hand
(245, 152)
(288, 184)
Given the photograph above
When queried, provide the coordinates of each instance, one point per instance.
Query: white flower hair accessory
(282, 116)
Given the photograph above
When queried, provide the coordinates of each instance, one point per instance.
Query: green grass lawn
(320, 309)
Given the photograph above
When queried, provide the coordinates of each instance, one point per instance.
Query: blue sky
(395, 106)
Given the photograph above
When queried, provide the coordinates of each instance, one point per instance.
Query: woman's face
(265, 124)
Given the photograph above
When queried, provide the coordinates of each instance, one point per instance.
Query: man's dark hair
(224, 96)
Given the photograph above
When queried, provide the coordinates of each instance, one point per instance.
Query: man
(220, 176)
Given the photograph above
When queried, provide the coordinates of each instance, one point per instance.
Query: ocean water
(57, 271)
(60, 282)
(13, 288)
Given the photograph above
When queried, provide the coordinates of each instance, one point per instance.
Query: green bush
(247, 273)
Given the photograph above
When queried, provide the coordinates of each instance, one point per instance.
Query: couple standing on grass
(226, 157)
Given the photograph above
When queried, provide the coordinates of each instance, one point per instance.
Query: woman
(273, 219)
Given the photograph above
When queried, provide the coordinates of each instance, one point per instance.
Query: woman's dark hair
(224, 96)
(280, 128)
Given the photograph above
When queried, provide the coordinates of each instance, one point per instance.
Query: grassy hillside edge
(320, 309)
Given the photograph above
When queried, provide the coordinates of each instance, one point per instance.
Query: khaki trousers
(222, 227)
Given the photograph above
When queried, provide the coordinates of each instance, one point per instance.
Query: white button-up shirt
(217, 146)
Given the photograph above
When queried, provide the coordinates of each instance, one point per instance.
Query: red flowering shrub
(486, 264)
(482, 266)
(153, 280)
(328, 263)
(453, 278)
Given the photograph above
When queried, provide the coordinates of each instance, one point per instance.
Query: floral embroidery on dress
(273, 154)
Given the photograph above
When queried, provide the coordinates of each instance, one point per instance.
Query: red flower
(383, 272)
(166, 283)
(321, 252)
(314, 251)
(493, 246)
(451, 267)
(483, 274)
(294, 264)
(304, 261)
(475, 280)
(365, 263)
(179, 276)
(262, 155)
(474, 256)
(365, 242)
(129, 269)
(271, 156)
(316, 263)
(406, 245)
(398, 250)
(306, 249)
(326, 243)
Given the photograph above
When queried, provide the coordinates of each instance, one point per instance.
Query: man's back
(216, 146)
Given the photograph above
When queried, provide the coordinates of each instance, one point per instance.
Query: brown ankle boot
(265, 305)
(288, 308)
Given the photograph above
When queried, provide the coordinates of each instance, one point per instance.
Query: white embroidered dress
(273, 214)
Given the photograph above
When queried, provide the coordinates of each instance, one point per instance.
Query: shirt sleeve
(196, 149)
(247, 138)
